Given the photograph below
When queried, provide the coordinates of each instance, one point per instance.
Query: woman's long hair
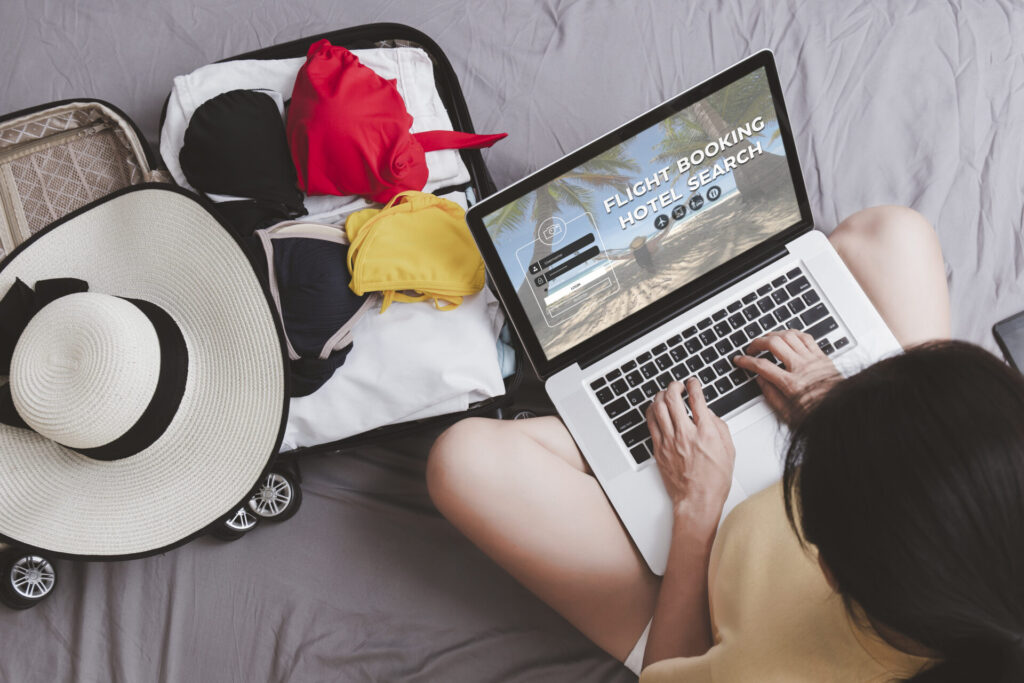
(909, 479)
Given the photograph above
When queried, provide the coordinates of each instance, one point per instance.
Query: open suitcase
(59, 157)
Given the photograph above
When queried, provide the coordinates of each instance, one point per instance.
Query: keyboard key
(663, 380)
(736, 320)
(780, 296)
(722, 329)
(709, 355)
(723, 347)
(814, 315)
(634, 378)
(718, 315)
(604, 395)
(734, 306)
(797, 305)
(650, 389)
(643, 408)
(811, 298)
(636, 435)
(659, 349)
(707, 337)
(628, 420)
(793, 324)
(710, 394)
(824, 327)
(617, 407)
(793, 273)
(628, 365)
(676, 339)
(761, 291)
(635, 397)
(649, 371)
(706, 376)
(723, 385)
(781, 315)
(749, 298)
(753, 330)
(797, 286)
(734, 399)
(694, 364)
(767, 322)
(780, 280)
(640, 453)
(664, 362)
(680, 373)
(704, 324)
(598, 383)
(613, 374)
(738, 376)
(766, 304)
(689, 332)
(722, 367)
(826, 346)
(751, 313)
(619, 387)
(738, 339)
(841, 342)
(692, 345)
(677, 354)
(644, 357)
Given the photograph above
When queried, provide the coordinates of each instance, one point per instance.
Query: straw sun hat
(146, 388)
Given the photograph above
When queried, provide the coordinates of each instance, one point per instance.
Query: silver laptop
(658, 252)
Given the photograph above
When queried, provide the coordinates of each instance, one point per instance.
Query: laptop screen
(648, 215)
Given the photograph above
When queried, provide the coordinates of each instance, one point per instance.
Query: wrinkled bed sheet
(918, 103)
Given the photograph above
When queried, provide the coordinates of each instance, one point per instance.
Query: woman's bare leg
(519, 489)
(895, 255)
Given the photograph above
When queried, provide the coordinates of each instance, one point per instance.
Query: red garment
(348, 130)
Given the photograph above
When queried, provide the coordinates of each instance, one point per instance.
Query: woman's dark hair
(909, 479)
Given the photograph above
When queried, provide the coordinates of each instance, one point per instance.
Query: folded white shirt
(409, 66)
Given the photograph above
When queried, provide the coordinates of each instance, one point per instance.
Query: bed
(891, 102)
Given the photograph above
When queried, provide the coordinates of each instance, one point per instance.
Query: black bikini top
(235, 144)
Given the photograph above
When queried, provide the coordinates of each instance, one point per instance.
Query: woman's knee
(453, 456)
(884, 229)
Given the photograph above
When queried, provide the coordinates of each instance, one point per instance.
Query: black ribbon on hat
(21, 303)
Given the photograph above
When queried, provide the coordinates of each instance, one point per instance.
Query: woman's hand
(808, 372)
(694, 455)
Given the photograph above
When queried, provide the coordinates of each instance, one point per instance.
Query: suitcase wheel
(277, 498)
(28, 578)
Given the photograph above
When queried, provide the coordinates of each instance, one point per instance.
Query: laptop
(658, 252)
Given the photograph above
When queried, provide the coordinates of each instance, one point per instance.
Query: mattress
(891, 103)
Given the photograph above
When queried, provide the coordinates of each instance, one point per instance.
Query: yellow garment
(417, 242)
(774, 617)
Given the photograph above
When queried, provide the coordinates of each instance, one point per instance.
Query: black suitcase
(399, 35)
(41, 145)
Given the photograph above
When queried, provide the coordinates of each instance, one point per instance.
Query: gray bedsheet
(918, 103)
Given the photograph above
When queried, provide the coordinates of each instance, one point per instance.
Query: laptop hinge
(698, 297)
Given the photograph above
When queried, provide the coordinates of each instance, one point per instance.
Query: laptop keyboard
(705, 351)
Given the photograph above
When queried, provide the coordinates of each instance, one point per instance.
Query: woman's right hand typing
(808, 373)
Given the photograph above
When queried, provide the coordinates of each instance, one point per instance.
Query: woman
(908, 480)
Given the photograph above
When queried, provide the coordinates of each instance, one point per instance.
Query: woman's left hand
(695, 455)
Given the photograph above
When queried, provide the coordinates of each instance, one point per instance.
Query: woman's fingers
(674, 399)
(782, 345)
(698, 406)
(662, 415)
(763, 368)
(652, 424)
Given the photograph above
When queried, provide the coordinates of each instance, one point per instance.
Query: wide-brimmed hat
(146, 390)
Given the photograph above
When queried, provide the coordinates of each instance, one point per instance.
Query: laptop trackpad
(760, 445)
